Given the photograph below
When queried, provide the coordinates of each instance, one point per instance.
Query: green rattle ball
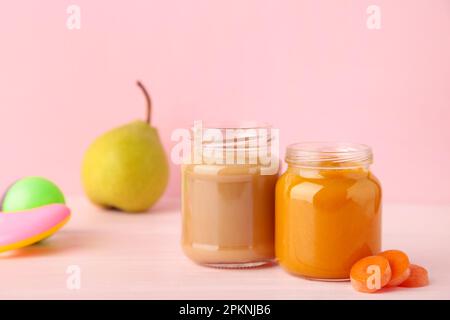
(31, 192)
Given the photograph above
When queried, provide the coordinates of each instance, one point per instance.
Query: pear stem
(148, 100)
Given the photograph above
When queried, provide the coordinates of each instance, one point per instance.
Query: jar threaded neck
(328, 155)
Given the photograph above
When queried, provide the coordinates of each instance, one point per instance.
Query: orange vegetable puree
(326, 220)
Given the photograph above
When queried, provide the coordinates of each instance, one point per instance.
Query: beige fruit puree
(228, 214)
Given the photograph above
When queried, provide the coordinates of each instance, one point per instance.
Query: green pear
(126, 168)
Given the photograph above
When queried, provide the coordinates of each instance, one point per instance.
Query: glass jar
(228, 198)
(328, 210)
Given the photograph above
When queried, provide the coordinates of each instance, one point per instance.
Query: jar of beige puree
(228, 189)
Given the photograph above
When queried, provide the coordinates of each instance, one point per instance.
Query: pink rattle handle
(20, 229)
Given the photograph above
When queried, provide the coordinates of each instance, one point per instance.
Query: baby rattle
(33, 209)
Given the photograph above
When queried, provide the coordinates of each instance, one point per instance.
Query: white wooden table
(138, 256)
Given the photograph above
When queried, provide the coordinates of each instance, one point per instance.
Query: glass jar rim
(225, 125)
(328, 154)
(237, 135)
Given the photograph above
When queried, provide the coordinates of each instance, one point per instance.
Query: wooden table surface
(138, 256)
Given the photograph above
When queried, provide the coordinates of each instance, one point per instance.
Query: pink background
(311, 68)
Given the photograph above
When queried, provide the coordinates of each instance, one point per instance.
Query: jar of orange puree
(328, 210)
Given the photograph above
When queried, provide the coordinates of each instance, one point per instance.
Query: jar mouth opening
(328, 154)
(230, 125)
(234, 135)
